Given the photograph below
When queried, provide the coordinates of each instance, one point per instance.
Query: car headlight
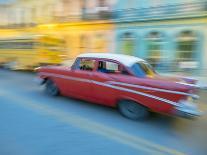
(194, 96)
(188, 104)
(190, 99)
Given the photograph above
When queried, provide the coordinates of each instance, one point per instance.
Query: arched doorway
(128, 43)
(155, 54)
(100, 42)
(84, 44)
(186, 55)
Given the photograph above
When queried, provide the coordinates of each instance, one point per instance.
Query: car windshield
(142, 69)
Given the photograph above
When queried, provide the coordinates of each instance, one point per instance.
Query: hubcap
(51, 88)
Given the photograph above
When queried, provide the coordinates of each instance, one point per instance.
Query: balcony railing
(62, 19)
(185, 10)
(98, 13)
(195, 9)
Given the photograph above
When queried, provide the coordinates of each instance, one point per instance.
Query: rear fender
(41, 79)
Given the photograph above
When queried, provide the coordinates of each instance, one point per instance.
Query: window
(186, 46)
(112, 66)
(85, 43)
(128, 43)
(102, 3)
(86, 64)
(108, 67)
(100, 42)
(155, 53)
(17, 44)
(186, 56)
(142, 69)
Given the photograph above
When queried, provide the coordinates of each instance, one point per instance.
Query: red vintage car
(125, 82)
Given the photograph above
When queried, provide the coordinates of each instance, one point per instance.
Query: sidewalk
(202, 79)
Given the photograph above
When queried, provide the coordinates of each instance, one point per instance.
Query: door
(106, 72)
(79, 79)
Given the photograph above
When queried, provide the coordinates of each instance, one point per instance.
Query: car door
(79, 82)
(105, 72)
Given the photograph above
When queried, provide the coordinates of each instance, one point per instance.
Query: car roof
(126, 60)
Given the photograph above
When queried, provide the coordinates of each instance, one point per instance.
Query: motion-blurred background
(171, 35)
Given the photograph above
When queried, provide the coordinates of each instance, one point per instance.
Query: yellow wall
(98, 36)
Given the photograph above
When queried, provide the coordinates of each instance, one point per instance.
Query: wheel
(132, 110)
(51, 88)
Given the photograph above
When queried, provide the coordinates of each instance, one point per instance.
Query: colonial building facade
(171, 35)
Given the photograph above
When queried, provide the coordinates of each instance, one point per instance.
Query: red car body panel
(108, 89)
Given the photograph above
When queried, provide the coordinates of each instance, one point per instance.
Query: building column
(170, 49)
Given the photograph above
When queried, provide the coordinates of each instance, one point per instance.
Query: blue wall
(169, 33)
(126, 4)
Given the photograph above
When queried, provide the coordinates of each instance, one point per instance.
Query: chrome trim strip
(111, 86)
(188, 109)
(136, 92)
(65, 77)
(188, 84)
(150, 88)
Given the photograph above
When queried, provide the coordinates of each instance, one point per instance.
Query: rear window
(84, 64)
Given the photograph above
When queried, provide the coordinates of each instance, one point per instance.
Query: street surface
(33, 123)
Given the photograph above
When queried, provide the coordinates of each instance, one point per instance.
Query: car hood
(161, 82)
(167, 78)
(174, 82)
(183, 79)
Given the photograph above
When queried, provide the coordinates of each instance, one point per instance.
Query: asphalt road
(33, 123)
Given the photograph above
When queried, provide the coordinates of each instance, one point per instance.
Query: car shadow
(111, 117)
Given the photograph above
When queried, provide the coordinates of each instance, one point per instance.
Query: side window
(108, 67)
(111, 66)
(86, 64)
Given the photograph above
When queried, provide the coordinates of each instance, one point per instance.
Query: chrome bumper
(187, 110)
(198, 85)
(202, 86)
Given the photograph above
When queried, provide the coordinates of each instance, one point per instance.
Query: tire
(51, 88)
(132, 110)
